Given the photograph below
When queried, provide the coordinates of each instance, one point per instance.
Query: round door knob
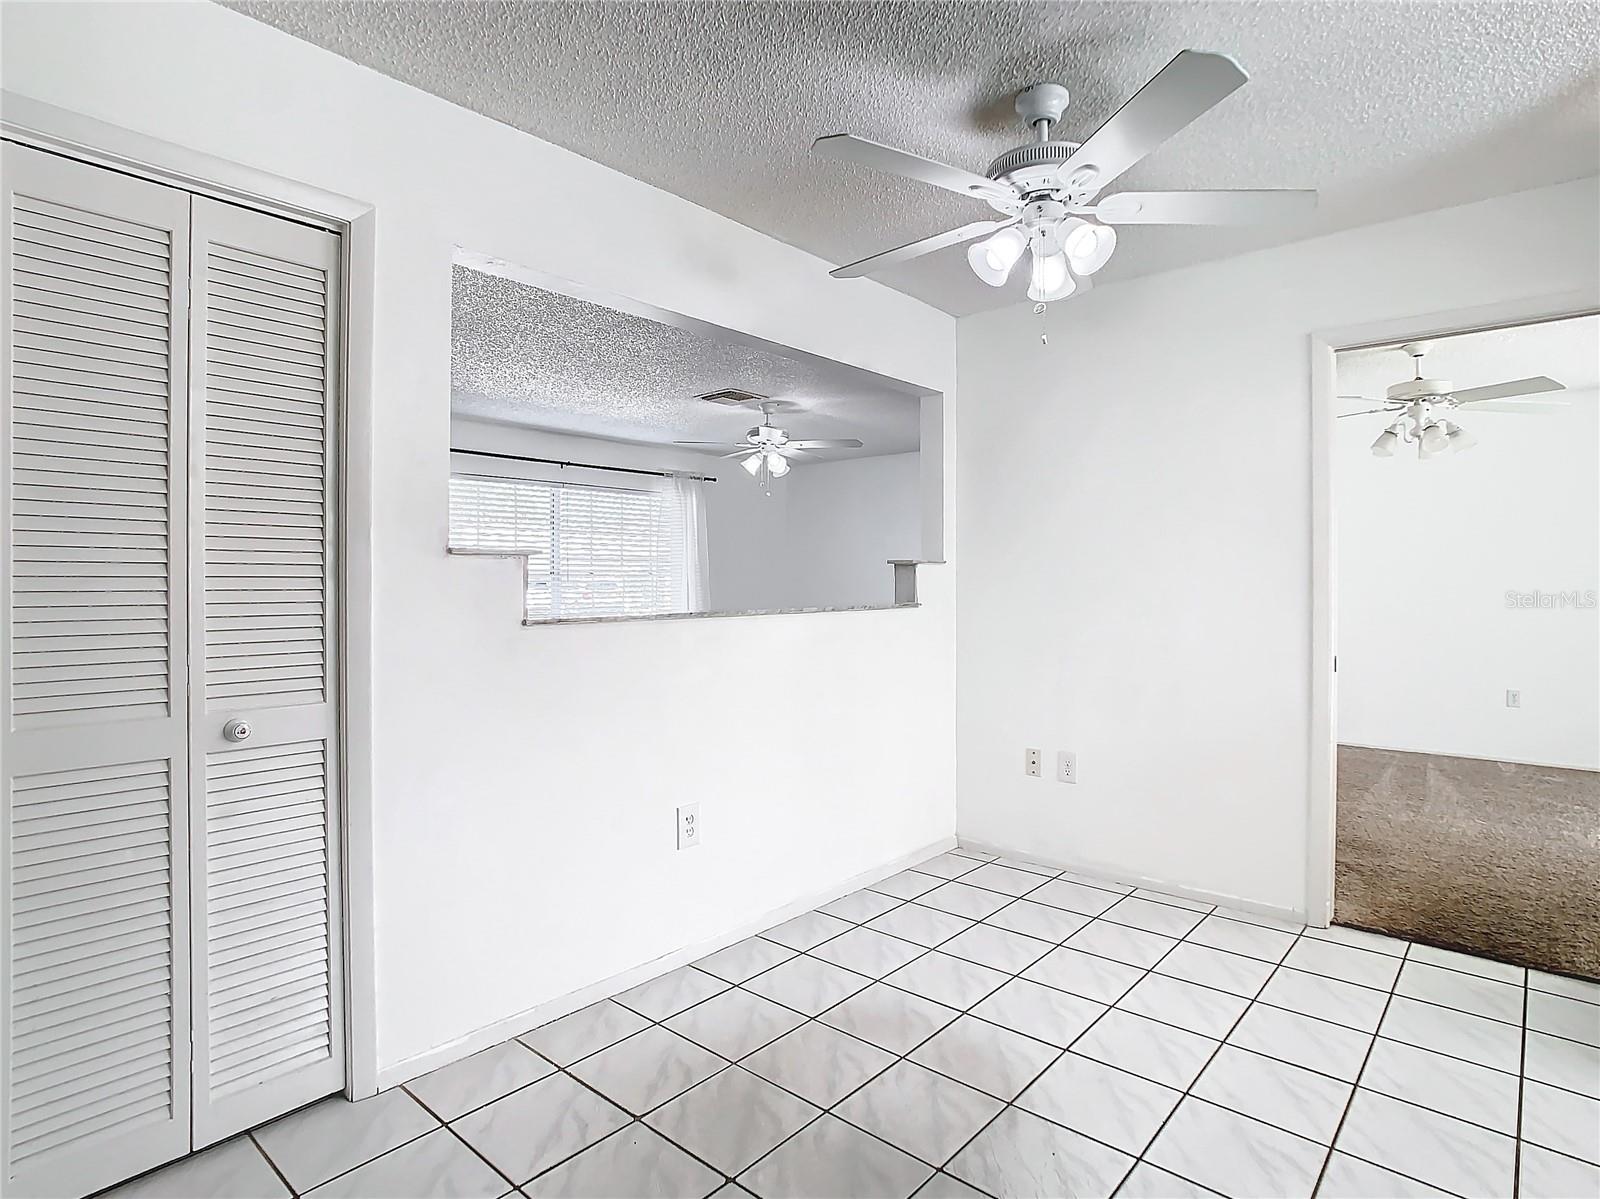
(236, 730)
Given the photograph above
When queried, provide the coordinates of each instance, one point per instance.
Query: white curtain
(691, 506)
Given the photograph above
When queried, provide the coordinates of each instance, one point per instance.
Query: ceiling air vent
(731, 397)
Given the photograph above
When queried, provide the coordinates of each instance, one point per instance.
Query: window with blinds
(591, 550)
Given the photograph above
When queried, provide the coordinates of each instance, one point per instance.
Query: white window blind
(591, 550)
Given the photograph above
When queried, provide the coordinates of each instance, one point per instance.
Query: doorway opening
(1465, 479)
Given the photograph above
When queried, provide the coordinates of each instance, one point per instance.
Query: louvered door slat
(94, 505)
(268, 1029)
(60, 365)
(78, 970)
(257, 410)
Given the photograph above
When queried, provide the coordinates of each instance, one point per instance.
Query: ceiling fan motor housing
(766, 435)
(1420, 389)
(1035, 168)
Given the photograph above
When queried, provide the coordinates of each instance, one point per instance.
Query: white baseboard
(492, 1034)
(1587, 767)
(1110, 874)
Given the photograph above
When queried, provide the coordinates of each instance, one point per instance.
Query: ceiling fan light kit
(1421, 407)
(1046, 191)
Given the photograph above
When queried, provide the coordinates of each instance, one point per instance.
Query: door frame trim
(46, 127)
(1322, 789)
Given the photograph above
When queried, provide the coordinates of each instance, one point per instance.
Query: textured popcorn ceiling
(1567, 351)
(536, 358)
(1387, 108)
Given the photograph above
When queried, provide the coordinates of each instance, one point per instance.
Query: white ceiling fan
(766, 449)
(1425, 404)
(1046, 190)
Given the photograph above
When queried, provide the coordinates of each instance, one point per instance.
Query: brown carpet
(1484, 857)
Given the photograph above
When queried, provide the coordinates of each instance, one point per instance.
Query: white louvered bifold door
(268, 1019)
(94, 1048)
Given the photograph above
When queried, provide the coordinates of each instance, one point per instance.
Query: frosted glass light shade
(1088, 246)
(1051, 280)
(992, 259)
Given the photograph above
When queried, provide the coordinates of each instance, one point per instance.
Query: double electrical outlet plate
(1066, 765)
(688, 825)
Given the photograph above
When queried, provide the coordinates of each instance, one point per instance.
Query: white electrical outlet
(1066, 767)
(688, 826)
(1034, 766)
(1513, 699)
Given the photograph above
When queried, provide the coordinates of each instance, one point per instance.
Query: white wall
(1135, 533)
(846, 521)
(525, 778)
(1428, 645)
(747, 531)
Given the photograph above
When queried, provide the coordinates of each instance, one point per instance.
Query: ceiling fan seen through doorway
(1423, 407)
(766, 451)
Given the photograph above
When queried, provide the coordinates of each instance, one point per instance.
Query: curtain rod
(621, 470)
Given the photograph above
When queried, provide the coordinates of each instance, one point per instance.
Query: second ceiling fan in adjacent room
(767, 450)
(1422, 407)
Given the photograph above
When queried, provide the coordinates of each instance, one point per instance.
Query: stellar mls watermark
(1580, 600)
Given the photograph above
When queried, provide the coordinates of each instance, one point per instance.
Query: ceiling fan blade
(846, 147)
(1363, 399)
(917, 249)
(824, 443)
(1366, 412)
(721, 445)
(1527, 409)
(1204, 208)
(1504, 391)
(1191, 84)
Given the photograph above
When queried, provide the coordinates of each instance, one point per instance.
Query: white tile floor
(975, 1028)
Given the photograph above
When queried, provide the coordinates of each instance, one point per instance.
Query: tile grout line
(1522, 1092)
(639, 1120)
(1187, 1092)
(906, 1056)
(807, 1019)
(272, 1165)
(450, 1128)
(1109, 1007)
(375, 1157)
(898, 1057)
(1356, 1086)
